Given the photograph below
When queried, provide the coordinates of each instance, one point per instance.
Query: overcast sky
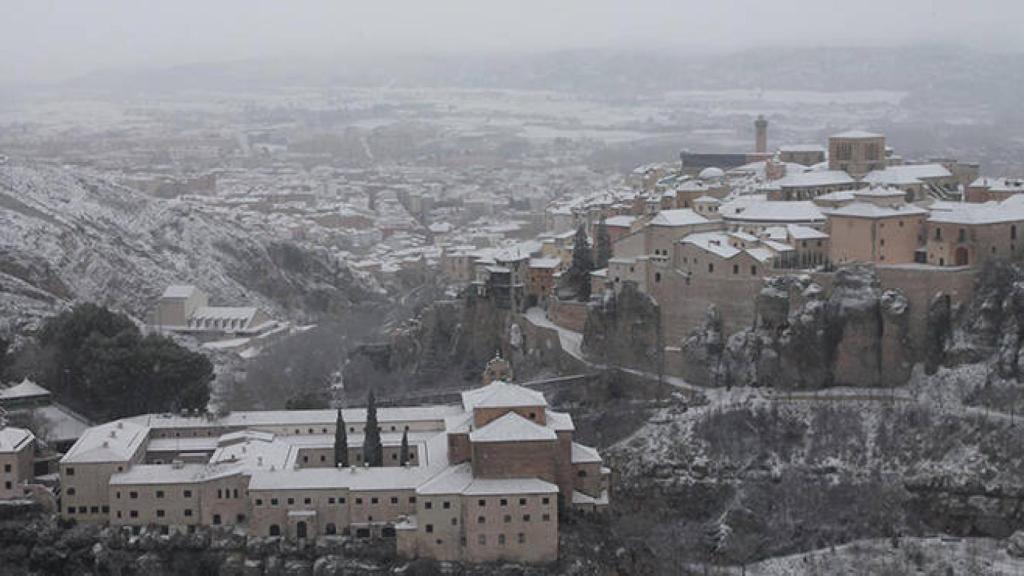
(43, 40)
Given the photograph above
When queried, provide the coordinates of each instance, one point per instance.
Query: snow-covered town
(425, 288)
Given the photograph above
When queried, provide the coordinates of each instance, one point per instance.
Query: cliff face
(856, 336)
(624, 329)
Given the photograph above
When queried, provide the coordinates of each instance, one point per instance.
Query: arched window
(275, 530)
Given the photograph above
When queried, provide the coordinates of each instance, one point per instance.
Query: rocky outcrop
(857, 336)
(624, 329)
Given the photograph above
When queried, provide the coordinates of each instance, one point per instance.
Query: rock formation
(624, 329)
(857, 336)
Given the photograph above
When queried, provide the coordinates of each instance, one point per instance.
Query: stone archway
(960, 256)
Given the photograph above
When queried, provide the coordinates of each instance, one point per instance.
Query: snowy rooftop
(545, 263)
(622, 221)
(907, 174)
(512, 428)
(111, 442)
(798, 232)
(499, 394)
(25, 389)
(179, 291)
(1009, 210)
(856, 134)
(772, 211)
(811, 179)
(14, 439)
(871, 210)
(681, 217)
(584, 454)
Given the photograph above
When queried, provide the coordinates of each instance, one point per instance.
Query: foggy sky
(48, 40)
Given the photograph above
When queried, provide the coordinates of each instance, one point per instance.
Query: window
(522, 501)
(428, 505)
(394, 499)
(507, 518)
(133, 514)
(481, 520)
(430, 528)
(69, 471)
(341, 500)
(291, 501)
(735, 268)
(106, 509)
(216, 519)
(273, 501)
(94, 509)
(481, 503)
(526, 517)
(220, 493)
(501, 539)
(133, 495)
(359, 500)
(582, 473)
(938, 233)
(275, 530)
(412, 499)
(71, 492)
(881, 241)
(159, 493)
(522, 538)
(374, 500)
(188, 493)
(188, 512)
(446, 505)
(330, 500)
(481, 539)
(546, 517)
(961, 235)
(71, 510)
(753, 270)
(455, 521)
(7, 467)
(307, 501)
(657, 276)
(711, 267)
(159, 513)
(503, 502)
(545, 500)
(1013, 232)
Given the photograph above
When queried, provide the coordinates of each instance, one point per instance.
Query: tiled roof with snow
(179, 291)
(512, 428)
(14, 439)
(546, 263)
(500, 394)
(799, 232)
(871, 210)
(681, 217)
(772, 211)
(856, 134)
(907, 174)
(622, 220)
(811, 179)
(1009, 210)
(584, 454)
(25, 389)
(111, 442)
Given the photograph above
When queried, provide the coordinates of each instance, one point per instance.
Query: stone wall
(568, 314)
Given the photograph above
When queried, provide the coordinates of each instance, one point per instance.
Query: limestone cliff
(858, 335)
(624, 329)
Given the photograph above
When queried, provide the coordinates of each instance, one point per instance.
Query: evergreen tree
(340, 442)
(603, 245)
(403, 454)
(577, 277)
(373, 451)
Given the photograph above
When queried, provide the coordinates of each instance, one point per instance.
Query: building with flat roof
(16, 460)
(483, 482)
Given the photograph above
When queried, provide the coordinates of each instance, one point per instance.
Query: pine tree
(603, 245)
(403, 454)
(373, 451)
(340, 442)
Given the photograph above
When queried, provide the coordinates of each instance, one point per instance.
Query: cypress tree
(603, 245)
(403, 454)
(340, 442)
(373, 451)
(577, 277)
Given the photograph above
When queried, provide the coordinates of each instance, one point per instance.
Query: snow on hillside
(69, 235)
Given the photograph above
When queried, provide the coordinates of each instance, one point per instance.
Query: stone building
(856, 152)
(877, 227)
(185, 308)
(484, 481)
(968, 234)
(17, 447)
